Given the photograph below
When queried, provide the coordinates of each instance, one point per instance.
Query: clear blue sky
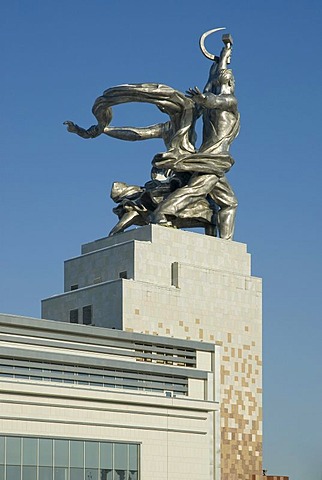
(58, 56)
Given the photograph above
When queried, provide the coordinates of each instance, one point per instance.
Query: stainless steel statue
(188, 186)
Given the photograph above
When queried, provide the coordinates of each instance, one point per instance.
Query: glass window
(133, 457)
(120, 475)
(61, 453)
(87, 315)
(73, 316)
(133, 475)
(29, 473)
(13, 472)
(13, 453)
(45, 473)
(106, 474)
(91, 474)
(2, 451)
(30, 458)
(61, 473)
(45, 452)
(76, 473)
(91, 454)
(120, 456)
(106, 455)
(29, 451)
(76, 454)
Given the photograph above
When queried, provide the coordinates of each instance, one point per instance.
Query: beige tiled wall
(214, 299)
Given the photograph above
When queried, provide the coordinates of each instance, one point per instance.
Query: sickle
(202, 42)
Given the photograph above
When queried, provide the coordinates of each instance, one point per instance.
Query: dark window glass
(120, 475)
(13, 453)
(91, 474)
(2, 451)
(61, 453)
(76, 454)
(76, 473)
(133, 475)
(13, 472)
(45, 473)
(87, 315)
(120, 456)
(175, 274)
(61, 473)
(74, 287)
(106, 474)
(29, 473)
(106, 456)
(91, 454)
(29, 451)
(123, 274)
(72, 459)
(133, 457)
(73, 316)
(45, 452)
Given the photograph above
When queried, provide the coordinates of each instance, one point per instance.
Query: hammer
(228, 41)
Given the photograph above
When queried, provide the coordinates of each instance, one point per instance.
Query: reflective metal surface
(188, 186)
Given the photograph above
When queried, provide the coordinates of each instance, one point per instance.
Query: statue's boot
(128, 219)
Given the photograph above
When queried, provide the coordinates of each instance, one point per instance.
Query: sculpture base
(168, 282)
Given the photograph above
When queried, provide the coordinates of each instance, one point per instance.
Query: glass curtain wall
(26, 458)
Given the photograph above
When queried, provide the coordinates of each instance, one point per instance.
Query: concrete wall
(105, 298)
(100, 266)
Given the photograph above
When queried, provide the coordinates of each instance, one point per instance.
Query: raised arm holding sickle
(221, 126)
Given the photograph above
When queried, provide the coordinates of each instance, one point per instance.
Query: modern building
(150, 369)
(90, 403)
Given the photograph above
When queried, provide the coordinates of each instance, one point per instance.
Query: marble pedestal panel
(181, 284)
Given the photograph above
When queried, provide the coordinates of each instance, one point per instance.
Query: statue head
(225, 79)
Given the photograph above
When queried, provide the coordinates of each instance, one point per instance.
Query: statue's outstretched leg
(225, 198)
(211, 230)
(128, 219)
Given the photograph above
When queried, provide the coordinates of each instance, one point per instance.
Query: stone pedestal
(168, 282)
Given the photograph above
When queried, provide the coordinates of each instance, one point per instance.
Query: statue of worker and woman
(188, 185)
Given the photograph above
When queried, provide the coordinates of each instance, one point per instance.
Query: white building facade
(85, 403)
